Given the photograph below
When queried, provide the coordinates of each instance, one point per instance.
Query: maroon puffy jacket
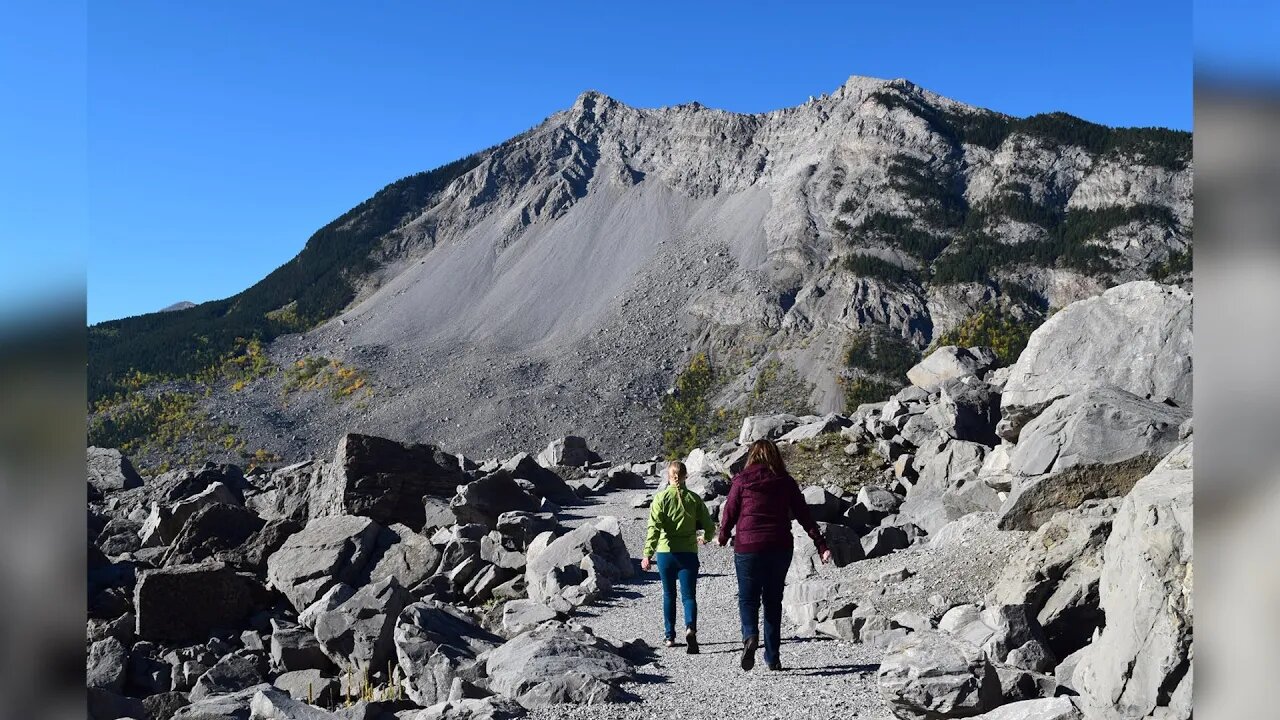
(761, 505)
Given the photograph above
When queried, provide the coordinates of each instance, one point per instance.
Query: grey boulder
(569, 451)
(948, 362)
(555, 664)
(575, 568)
(328, 551)
(434, 643)
(1136, 336)
(109, 470)
(357, 635)
(483, 501)
(1094, 444)
(930, 675)
(384, 480)
(1141, 663)
(1057, 574)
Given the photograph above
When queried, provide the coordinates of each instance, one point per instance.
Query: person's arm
(729, 512)
(655, 528)
(704, 518)
(801, 512)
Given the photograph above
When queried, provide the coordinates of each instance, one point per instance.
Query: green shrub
(686, 418)
(867, 390)
(990, 328)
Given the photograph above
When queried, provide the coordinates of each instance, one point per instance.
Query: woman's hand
(702, 540)
(645, 564)
(826, 556)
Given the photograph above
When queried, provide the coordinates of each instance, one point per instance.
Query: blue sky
(220, 135)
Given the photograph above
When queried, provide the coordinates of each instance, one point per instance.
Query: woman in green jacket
(675, 517)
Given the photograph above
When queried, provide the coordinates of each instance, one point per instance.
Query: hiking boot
(776, 665)
(670, 642)
(691, 639)
(749, 652)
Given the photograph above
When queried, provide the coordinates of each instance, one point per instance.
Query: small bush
(686, 418)
(1003, 333)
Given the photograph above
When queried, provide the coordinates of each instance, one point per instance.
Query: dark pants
(761, 577)
(681, 566)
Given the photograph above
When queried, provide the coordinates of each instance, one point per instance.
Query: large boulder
(553, 664)
(1141, 664)
(401, 553)
(948, 487)
(109, 470)
(482, 501)
(1057, 574)
(273, 704)
(284, 494)
(930, 675)
(186, 602)
(547, 484)
(967, 409)
(328, 551)
(384, 480)
(1136, 336)
(357, 635)
(575, 568)
(1094, 444)
(213, 529)
(1056, 708)
(489, 708)
(568, 451)
(844, 543)
(830, 423)
(232, 706)
(231, 674)
(434, 642)
(106, 664)
(762, 427)
(294, 647)
(165, 521)
(949, 362)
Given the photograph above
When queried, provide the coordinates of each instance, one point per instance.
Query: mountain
(180, 305)
(645, 276)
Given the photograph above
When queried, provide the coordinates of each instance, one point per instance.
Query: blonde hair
(682, 472)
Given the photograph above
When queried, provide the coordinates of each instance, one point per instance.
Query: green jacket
(675, 516)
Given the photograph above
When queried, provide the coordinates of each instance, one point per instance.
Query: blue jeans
(761, 577)
(681, 566)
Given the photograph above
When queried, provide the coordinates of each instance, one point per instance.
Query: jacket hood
(755, 475)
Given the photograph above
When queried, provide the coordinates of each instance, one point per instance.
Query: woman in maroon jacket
(762, 500)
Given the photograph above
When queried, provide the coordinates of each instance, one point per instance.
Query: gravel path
(823, 677)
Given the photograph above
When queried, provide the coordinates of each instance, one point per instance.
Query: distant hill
(566, 279)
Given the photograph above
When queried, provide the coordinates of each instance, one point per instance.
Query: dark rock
(106, 665)
(294, 647)
(186, 602)
(163, 706)
(483, 500)
(930, 675)
(234, 672)
(384, 480)
(328, 551)
(434, 643)
(357, 635)
(212, 529)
